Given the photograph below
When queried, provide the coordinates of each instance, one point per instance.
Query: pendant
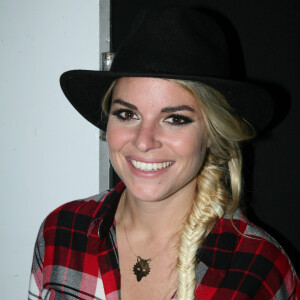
(141, 268)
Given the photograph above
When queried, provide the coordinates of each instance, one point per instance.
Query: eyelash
(184, 120)
(118, 113)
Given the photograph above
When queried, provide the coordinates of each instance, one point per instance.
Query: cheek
(192, 150)
(116, 136)
(190, 146)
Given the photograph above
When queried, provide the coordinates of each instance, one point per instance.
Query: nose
(147, 137)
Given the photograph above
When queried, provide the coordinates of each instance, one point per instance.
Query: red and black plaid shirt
(76, 257)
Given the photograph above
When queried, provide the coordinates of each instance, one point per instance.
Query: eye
(125, 114)
(178, 120)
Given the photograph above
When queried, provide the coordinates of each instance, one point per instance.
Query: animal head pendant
(141, 268)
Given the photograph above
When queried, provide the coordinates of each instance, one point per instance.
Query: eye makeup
(125, 114)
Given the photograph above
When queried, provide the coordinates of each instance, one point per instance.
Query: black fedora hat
(177, 43)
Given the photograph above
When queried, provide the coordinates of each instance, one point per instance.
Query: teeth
(147, 167)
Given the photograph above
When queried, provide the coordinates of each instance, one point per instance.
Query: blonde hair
(218, 181)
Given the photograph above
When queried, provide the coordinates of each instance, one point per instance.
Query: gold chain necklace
(142, 266)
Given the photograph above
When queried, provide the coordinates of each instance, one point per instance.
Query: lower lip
(148, 173)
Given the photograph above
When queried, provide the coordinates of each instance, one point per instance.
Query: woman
(171, 228)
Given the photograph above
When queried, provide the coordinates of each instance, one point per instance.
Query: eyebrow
(177, 108)
(167, 109)
(124, 103)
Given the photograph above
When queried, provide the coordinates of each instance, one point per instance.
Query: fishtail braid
(209, 205)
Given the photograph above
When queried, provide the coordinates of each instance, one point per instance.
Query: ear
(208, 142)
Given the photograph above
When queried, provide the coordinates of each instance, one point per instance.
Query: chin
(148, 194)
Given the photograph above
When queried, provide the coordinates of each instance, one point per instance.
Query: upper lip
(148, 160)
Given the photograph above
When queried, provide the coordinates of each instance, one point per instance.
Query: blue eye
(125, 114)
(178, 120)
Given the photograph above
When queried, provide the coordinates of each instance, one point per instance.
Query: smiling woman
(172, 228)
(176, 123)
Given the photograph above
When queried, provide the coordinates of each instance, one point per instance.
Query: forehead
(153, 92)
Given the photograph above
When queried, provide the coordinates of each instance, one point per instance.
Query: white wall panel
(49, 153)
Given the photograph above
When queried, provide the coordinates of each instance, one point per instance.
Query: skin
(153, 121)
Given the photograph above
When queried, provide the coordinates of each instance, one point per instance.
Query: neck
(153, 219)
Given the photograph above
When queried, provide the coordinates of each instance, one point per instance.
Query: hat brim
(85, 90)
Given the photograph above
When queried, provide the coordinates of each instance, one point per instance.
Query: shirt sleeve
(290, 283)
(272, 266)
(36, 278)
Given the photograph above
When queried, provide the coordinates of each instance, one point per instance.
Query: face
(156, 137)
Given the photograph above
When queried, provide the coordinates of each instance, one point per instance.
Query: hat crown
(174, 40)
(178, 43)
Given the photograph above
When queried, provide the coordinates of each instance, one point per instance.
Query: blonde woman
(171, 229)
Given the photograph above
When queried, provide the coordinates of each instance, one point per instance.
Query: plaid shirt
(76, 257)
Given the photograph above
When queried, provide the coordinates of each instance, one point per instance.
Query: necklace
(142, 266)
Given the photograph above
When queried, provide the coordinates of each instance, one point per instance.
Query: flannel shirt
(76, 257)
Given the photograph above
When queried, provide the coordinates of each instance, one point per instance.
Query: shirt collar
(219, 247)
(105, 216)
(216, 252)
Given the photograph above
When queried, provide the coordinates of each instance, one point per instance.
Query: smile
(148, 167)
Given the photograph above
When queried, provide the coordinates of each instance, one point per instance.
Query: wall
(49, 153)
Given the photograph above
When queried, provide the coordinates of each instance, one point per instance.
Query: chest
(147, 278)
(158, 282)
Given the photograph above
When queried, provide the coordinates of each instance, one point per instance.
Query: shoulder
(72, 219)
(266, 260)
(68, 243)
(77, 214)
(250, 260)
(258, 245)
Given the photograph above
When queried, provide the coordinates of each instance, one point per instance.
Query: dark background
(269, 35)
